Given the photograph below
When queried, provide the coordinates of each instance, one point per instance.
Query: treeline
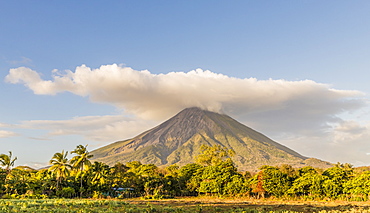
(214, 173)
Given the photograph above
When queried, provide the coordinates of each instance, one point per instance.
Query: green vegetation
(214, 174)
(213, 177)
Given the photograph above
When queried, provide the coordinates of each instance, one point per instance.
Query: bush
(66, 192)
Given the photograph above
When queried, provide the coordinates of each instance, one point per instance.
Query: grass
(180, 205)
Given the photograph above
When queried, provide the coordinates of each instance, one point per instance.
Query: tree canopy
(213, 174)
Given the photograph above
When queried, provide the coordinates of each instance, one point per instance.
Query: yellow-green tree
(7, 161)
(213, 155)
(60, 167)
(81, 162)
(275, 182)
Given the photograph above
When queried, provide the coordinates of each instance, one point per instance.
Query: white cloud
(159, 96)
(350, 127)
(3, 125)
(305, 115)
(95, 128)
(31, 79)
(7, 134)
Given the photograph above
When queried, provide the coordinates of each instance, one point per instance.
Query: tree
(256, 184)
(81, 161)
(190, 177)
(60, 166)
(215, 179)
(275, 182)
(236, 186)
(99, 173)
(337, 177)
(213, 155)
(2, 179)
(306, 170)
(148, 170)
(7, 161)
(310, 184)
(18, 180)
(118, 174)
(46, 181)
(288, 170)
(134, 166)
(172, 170)
(359, 186)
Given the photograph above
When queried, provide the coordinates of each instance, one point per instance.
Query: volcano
(178, 141)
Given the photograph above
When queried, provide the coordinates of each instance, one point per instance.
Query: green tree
(172, 170)
(337, 177)
(17, 181)
(41, 182)
(173, 185)
(118, 175)
(82, 159)
(213, 155)
(134, 166)
(236, 185)
(359, 187)
(190, 178)
(275, 182)
(133, 178)
(60, 167)
(99, 174)
(81, 162)
(153, 187)
(7, 161)
(310, 184)
(306, 170)
(148, 170)
(2, 180)
(215, 179)
(289, 171)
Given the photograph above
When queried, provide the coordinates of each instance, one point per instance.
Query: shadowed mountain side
(178, 140)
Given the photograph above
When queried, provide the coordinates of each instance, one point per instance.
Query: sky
(95, 72)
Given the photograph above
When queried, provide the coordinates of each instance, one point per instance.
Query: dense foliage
(213, 174)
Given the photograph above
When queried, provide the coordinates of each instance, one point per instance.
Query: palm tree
(7, 161)
(99, 174)
(81, 161)
(60, 166)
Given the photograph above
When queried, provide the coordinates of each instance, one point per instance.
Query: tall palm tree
(61, 167)
(81, 161)
(7, 161)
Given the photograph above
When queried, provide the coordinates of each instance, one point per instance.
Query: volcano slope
(178, 141)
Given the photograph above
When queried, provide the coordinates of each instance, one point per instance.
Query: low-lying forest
(213, 174)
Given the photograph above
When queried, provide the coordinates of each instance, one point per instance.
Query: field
(185, 205)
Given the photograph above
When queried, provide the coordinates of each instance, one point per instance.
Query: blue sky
(295, 70)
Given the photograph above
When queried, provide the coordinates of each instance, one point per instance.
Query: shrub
(66, 192)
